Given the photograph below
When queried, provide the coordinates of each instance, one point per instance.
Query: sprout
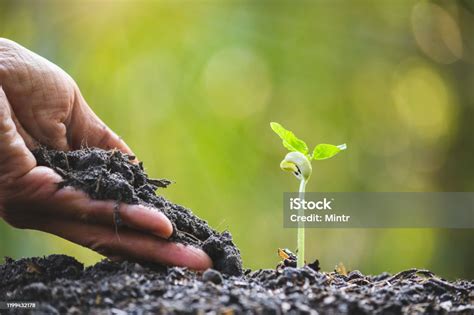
(298, 161)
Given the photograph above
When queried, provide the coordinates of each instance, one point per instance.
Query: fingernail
(167, 228)
(196, 258)
(149, 219)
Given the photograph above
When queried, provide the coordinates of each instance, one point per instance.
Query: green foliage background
(192, 85)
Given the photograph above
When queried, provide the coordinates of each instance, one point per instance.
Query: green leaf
(325, 151)
(290, 141)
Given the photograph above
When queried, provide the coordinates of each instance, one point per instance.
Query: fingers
(71, 214)
(75, 204)
(15, 158)
(128, 244)
(86, 129)
(103, 137)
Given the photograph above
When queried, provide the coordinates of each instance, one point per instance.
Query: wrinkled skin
(41, 104)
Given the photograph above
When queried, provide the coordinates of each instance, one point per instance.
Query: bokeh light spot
(423, 100)
(237, 82)
(436, 33)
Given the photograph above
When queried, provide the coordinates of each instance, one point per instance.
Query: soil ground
(60, 285)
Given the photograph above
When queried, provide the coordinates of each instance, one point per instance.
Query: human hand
(41, 104)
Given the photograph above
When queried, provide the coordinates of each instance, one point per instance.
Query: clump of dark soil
(60, 285)
(111, 175)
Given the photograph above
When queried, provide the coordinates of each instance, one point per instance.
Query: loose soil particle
(60, 285)
(110, 175)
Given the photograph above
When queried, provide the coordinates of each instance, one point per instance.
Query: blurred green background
(192, 86)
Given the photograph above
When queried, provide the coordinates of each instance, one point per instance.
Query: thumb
(15, 158)
(86, 128)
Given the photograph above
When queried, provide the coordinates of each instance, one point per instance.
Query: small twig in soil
(97, 186)
(218, 226)
(60, 171)
(66, 160)
(425, 273)
(117, 219)
(163, 183)
(110, 156)
(446, 285)
(84, 144)
(403, 274)
(190, 235)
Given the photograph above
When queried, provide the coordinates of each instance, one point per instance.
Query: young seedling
(298, 161)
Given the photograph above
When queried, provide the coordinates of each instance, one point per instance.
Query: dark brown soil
(110, 175)
(60, 285)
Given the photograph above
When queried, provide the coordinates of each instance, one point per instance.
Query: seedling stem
(300, 236)
(298, 161)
